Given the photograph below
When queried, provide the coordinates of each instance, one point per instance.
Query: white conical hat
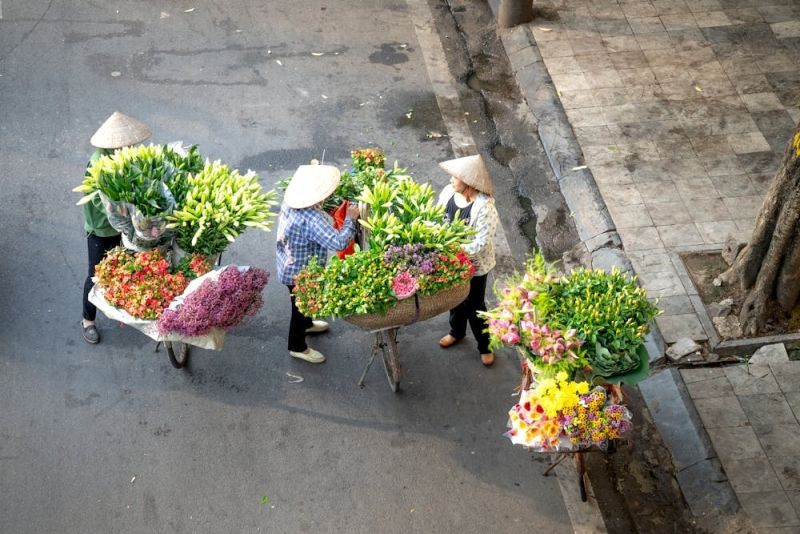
(119, 131)
(470, 170)
(310, 185)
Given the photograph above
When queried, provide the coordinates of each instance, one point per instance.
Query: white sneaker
(310, 355)
(318, 326)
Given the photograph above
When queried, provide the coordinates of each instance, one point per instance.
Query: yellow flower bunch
(535, 420)
(559, 393)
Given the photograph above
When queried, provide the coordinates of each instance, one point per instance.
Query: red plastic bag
(339, 215)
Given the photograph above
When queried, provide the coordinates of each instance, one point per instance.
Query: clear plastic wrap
(140, 231)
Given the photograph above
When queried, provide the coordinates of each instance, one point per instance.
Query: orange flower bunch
(140, 283)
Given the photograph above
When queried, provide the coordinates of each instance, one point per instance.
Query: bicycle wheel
(391, 358)
(178, 354)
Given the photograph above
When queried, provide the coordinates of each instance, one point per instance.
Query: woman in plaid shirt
(305, 231)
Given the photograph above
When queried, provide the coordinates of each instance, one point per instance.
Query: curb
(699, 473)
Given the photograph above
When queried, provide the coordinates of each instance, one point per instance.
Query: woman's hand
(353, 211)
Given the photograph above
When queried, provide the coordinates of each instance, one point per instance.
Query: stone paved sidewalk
(751, 413)
(682, 109)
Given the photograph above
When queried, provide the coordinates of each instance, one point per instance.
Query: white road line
(444, 88)
(585, 517)
(1, 9)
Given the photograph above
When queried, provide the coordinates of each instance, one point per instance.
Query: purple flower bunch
(221, 303)
(411, 258)
(594, 420)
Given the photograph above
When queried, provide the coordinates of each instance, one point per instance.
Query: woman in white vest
(469, 196)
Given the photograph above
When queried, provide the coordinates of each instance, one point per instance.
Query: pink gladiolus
(511, 338)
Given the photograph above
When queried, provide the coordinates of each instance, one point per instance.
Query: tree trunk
(513, 12)
(768, 268)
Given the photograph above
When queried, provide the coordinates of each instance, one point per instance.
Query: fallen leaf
(278, 61)
(188, 10)
(264, 499)
(295, 379)
(317, 53)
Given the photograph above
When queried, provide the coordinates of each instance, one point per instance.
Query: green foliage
(611, 313)
(360, 283)
(144, 176)
(218, 206)
(402, 211)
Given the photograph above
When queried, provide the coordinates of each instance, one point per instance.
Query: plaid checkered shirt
(307, 232)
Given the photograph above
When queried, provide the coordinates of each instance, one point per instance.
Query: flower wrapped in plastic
(558, 414)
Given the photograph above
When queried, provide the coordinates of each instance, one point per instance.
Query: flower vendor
(305, 231)
(117, 131)
(469, 196)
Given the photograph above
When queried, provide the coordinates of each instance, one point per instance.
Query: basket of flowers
(191, 304)
(177, 214)
(410, 269)
(590, 322)
(580, 337)
(373, 289)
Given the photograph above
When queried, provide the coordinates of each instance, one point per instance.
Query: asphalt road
(111, 438)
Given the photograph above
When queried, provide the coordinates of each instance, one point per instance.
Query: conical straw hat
(310, 185)
(470, 170)
(119, 131)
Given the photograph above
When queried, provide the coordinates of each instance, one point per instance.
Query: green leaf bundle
(151, 177)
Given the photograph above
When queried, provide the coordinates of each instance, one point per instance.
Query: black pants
(98, 246)
(467, 312)
(297, 327)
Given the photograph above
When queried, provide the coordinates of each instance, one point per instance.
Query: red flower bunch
(452, 268)
(199, 264)
(193, 266)
(140, 283)
(464, 259)
(364, 158)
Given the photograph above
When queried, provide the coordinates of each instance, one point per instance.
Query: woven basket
(405, 311)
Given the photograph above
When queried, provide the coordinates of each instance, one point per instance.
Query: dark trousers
(98, 246)
(297, 327)
(467, 312)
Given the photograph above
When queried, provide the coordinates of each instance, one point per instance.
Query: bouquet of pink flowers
(218, 303)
